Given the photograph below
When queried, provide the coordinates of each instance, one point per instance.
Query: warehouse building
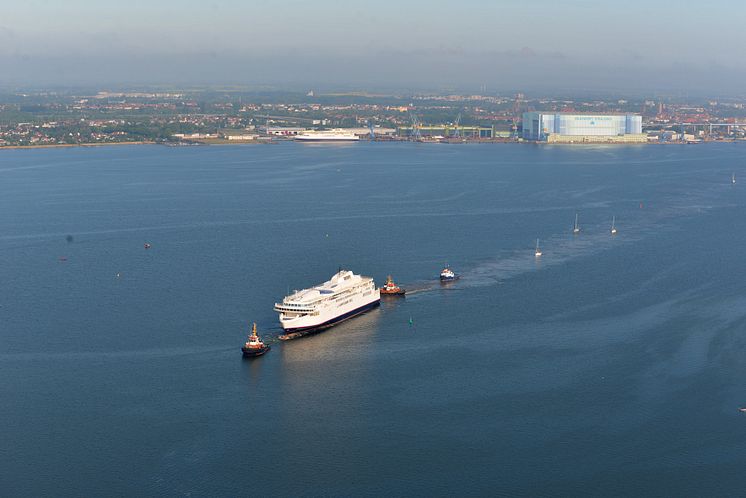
(562, 127)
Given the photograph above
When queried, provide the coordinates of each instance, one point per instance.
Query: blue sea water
(611, 366)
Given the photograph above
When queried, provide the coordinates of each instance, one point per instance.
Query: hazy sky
(506, 44)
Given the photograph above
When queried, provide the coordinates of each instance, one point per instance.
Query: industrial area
(212, 117)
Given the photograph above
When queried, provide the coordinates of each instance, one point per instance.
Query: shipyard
(208, 117)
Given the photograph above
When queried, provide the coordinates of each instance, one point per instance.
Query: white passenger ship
(335, 135)
(343, 296)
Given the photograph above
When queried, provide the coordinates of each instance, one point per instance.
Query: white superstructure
(343, 296)
(335, 135)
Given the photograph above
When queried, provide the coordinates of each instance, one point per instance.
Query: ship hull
(316, 139)
(399, 292)
(295, 332)
(253, 353)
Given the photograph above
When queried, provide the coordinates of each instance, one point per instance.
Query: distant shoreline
(54, 146)
(231, 142)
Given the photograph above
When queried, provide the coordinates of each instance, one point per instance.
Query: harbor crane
(415, 135)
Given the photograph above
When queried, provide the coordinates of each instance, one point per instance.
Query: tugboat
(447, 275)
(254, 346)
(391, 289)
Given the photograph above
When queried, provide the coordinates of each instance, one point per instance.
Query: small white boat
(576, 227)
(733, 179)
(537, 252)
(742, 410)
(613, 225)
(447, 275)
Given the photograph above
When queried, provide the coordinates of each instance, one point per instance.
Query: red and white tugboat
(391, 289)
(254, 346)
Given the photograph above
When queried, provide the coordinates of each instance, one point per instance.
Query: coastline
(55, 146)
(264, 142)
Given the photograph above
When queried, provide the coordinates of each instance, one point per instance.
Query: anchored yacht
(343, 296)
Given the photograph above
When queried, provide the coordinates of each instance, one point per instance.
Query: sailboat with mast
(733, 179)
(613, 225)
(576, 227)
(537, 251)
